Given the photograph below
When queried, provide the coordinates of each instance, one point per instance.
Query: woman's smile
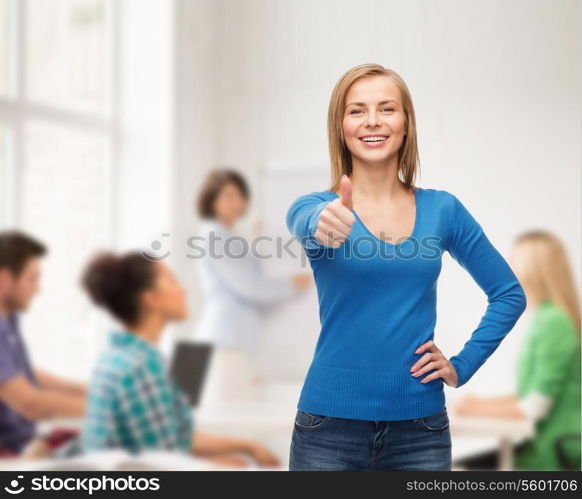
(374, 140)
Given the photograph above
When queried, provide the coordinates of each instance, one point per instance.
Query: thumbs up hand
(346, 192)
(336, 220)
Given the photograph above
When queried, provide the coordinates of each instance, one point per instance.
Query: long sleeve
(471, 248)
(535, 405)
(303, 217)
(555, 351)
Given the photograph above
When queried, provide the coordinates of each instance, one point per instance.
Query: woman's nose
(372, 119)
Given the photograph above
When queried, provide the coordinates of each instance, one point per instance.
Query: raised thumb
(346, 192)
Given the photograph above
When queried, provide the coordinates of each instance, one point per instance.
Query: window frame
(17, 110)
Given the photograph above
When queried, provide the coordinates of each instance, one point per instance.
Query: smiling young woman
(373, 397)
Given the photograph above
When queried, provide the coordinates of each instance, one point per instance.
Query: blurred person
(133, 403)
(236, 290)
(548, 369)
(27, 395)
(373, 398)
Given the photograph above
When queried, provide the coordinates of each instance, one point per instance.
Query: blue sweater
(377, 305)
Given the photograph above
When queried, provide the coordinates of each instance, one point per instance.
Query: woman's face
(166, 297)
(230, 204)
(374, 121)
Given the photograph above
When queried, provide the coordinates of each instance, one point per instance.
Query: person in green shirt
(548, 368)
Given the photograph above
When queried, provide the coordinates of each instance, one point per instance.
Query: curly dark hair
(115, 282)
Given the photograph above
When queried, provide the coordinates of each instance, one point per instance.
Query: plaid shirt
(132, 401)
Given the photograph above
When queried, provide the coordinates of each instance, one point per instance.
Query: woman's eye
(388, 109)
(355, 111)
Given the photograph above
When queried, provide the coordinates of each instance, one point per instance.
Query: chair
(568, 451)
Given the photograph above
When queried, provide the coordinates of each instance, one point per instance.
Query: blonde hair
(546, 272)
(340, 156)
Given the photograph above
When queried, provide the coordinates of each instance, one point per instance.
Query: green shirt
(133, 403)
(549, 363)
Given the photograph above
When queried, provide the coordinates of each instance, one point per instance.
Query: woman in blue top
(373, 398)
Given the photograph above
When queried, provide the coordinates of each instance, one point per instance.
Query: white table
(264, 419)
(119, 460)
(275, 418)
(506, 431)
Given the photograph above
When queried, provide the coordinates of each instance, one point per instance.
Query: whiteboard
(290, 331)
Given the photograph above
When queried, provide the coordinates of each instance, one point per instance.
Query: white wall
(145, 172)
(496, 91)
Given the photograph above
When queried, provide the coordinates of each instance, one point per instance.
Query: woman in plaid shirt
(133, 403)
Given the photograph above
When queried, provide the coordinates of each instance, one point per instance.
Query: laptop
(189, 367)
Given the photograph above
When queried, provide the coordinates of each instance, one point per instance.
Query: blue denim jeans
(327, 443)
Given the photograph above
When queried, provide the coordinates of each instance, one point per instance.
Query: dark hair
(212, 186)
(115, 282)
(16, 249)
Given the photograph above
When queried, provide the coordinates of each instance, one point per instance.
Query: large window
(57, 153)
(65, 54)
